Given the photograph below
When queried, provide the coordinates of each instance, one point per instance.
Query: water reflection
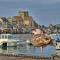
(28, 50)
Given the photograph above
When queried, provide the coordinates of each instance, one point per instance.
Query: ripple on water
(29, 50)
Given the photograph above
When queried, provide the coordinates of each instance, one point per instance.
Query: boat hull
(58, 46)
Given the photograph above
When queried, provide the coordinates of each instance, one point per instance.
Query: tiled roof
(4, 19)
(17, 17)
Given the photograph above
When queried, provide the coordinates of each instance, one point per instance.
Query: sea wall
(23, 57)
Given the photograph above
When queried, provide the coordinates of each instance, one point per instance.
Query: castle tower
(23, 14)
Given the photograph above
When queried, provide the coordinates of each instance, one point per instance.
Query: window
(2, 36)
(5, 36)
(9, 37)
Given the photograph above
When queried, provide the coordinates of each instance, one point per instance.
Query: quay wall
(24, 57)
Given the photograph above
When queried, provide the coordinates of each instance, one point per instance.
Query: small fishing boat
(58, 44)
(8, 40)
(28, 42)
(42, 41)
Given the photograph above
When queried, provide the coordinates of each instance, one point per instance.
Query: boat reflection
(28, 50)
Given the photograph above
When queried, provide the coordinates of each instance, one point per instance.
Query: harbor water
(26, 49)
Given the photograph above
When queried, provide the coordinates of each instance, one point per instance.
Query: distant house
(10, 24)
(3, 24)
(17, 23)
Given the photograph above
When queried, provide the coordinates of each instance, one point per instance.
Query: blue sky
(44, 12)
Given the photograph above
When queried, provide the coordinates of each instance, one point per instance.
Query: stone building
(17, 23)
(10, 24)
(23, 22)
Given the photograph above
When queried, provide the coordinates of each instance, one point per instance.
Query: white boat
(28, 42)
(58, 44)
(52, 35)
(8, 40)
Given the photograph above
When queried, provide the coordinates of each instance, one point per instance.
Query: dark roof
(17, 17)
(4, 19)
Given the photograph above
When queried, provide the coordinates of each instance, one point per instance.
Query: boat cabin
(8, 40)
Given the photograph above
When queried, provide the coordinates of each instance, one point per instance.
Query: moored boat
(8, 40)
(41, 39)
(58, 44)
